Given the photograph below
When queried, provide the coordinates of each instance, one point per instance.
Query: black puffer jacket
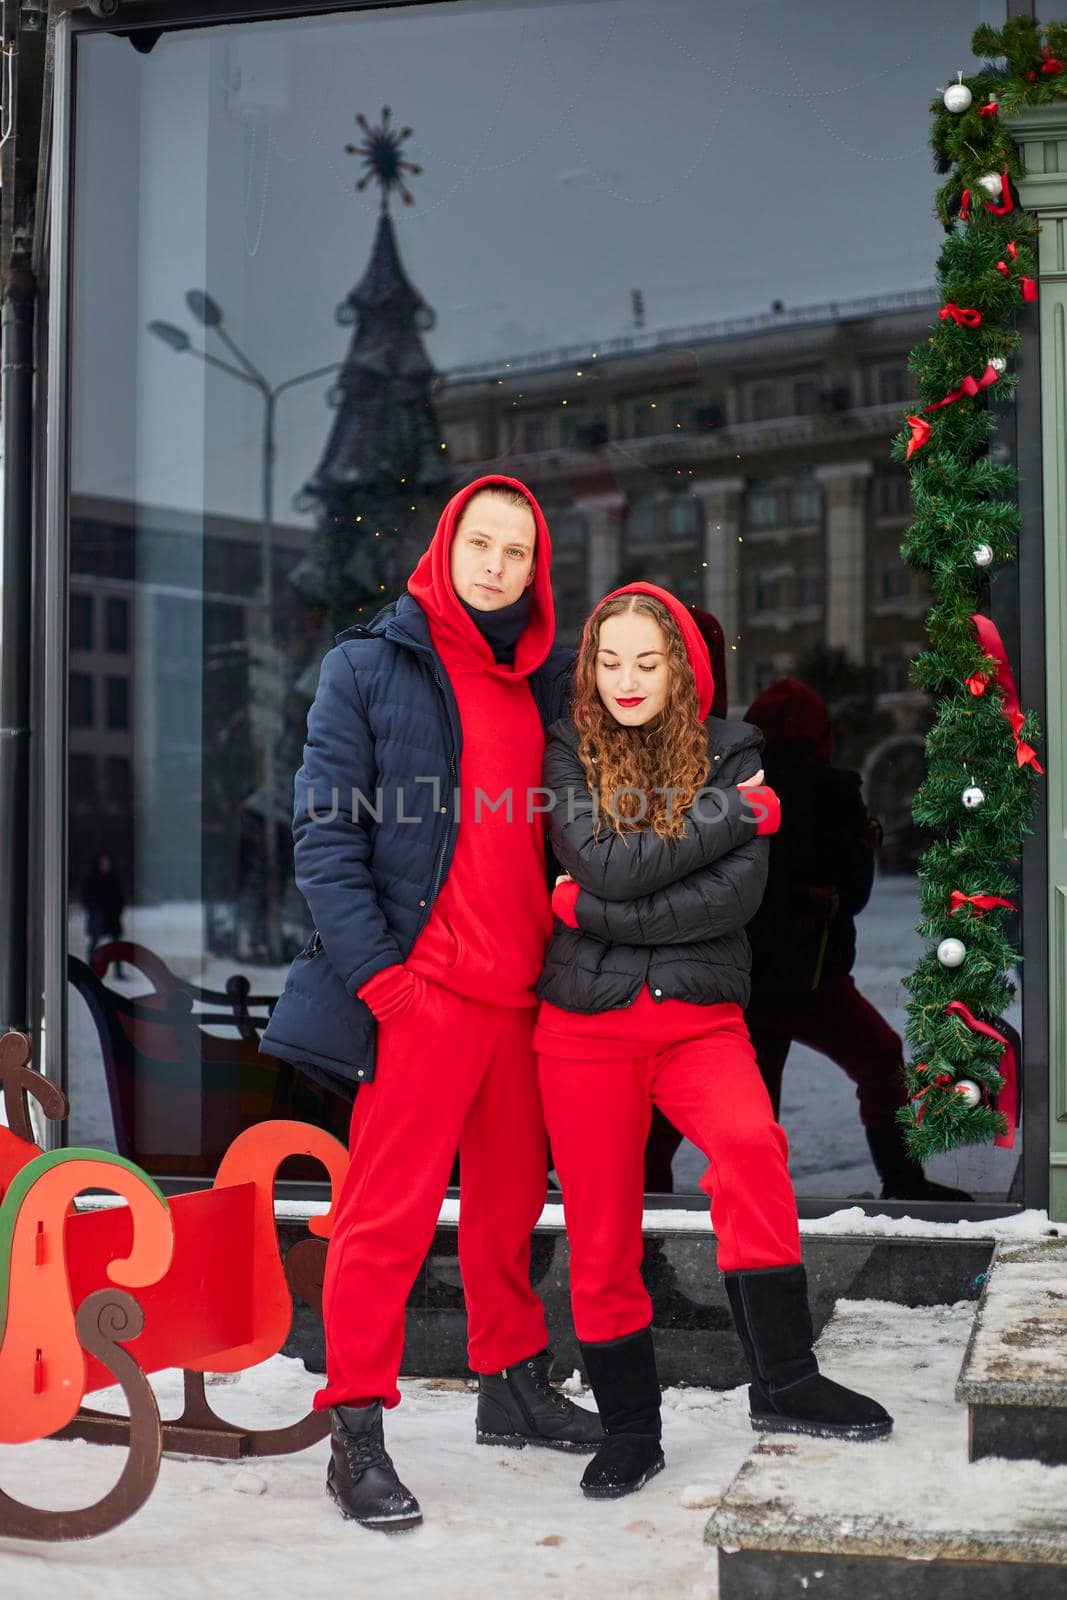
(669, 913)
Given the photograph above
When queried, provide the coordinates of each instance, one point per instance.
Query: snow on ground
(502, 1521)
(497, 1520)
(915, 1493)
(828, 1151)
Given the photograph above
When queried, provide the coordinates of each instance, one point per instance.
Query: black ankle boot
(902, 1177)
(622, 1373)
(788, 1393)
(519, 1406)
(361, 1478)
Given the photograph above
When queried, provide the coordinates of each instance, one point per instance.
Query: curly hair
(625, 767)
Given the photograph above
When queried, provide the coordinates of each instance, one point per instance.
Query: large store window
(665, 263)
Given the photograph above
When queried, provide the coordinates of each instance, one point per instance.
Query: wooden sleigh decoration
(212, 1295)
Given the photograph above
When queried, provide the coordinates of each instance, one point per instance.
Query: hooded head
(484, 580)
(646, 758)
(794, 713)
(696, 650)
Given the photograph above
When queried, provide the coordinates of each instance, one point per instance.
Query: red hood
(790, 709)
(431, 585)
(697, 650)
(711, 631)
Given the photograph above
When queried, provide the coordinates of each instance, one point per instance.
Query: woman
(658, 815)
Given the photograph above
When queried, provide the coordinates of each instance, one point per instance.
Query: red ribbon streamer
(993, 645)
(920, 429)
(981, 902)
(1008, 1098)
(1006, 202)
(965, 206)
(969, 386)
(962, 316)
(1028, 285)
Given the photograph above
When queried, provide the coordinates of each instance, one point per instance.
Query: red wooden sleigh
(212, 1295)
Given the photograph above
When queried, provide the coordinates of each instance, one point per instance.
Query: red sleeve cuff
(388, 991)
(564, 898)
(766, 806)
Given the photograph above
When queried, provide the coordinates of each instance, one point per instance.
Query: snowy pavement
(497, 1521)
(513, 1522)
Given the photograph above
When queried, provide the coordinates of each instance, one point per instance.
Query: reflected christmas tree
(385, 452)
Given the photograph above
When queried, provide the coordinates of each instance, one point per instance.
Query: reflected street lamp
(208, 313)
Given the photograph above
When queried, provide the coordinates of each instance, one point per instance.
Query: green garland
(960, 503)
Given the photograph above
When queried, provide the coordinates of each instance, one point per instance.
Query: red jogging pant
(598, 1115)
(450, 1073)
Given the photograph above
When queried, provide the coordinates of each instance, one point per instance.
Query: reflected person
(658, 816)
(804, 936)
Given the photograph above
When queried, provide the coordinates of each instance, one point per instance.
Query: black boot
(519, 1406)
(902, 1177)
(788, 1393)
(622, 1373)
(361, 1478)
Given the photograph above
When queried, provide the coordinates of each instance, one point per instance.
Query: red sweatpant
(450, 1073)
(598, 1115)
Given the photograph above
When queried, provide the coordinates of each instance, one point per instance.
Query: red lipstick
(639, 701)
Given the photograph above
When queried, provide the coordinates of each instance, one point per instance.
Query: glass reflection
(630, 311)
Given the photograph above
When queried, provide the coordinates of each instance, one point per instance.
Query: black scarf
(502, 629)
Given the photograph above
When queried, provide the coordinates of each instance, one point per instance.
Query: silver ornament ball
(998, 363)
(951, 952)
(990, 183)
(983, 555)
(968, 1092)
(972, 797)
(957, 97)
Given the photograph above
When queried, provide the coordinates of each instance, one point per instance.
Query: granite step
(1014, 1376)
(905, 1515)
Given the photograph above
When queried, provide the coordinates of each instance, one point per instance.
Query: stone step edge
(1003, 1392)
(822, 1536)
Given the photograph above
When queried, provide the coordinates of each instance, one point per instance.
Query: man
(431, 903)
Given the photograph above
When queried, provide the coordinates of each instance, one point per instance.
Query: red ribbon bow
(920, 432)
(1008, 1098)
(981, 902)
(993, 645)
(962, 316)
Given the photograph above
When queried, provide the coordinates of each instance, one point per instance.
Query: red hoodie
(490, 924)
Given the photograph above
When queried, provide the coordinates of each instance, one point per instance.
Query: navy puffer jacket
(385, 725)
(669, 913)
